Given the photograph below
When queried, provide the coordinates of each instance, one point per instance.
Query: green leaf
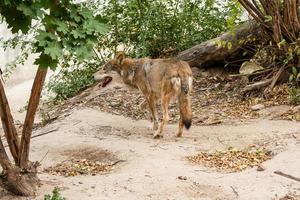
(46, 3)
(46, 61)
(283, 42)
(44, 35)
(291, 78)
(53, 50)
(77, 34)
(16, 20)
(74, 15)
(62, 27)
(27, 10)
(294, 71)
(268, 18)
(83, 52)
(229, 45)
(94, 26)
(86, 13)
(298, 77)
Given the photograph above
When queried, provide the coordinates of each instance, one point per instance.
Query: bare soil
(159, 169)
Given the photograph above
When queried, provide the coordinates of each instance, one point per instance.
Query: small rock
(260, 168)
(80, 182)
(257, 107)
(184, 178)
(250, 67)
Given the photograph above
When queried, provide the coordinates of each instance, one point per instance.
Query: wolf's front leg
(144, 109)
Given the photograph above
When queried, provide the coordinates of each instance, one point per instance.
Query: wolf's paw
(179, 135)
(157, 136)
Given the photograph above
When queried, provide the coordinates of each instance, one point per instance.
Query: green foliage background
(152, 28)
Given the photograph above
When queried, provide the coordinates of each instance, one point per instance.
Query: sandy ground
(151, 168)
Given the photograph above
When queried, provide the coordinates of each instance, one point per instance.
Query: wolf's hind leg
(152, 107)
(180, 127)
(165, 107)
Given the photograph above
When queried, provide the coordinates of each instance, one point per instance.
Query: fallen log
(211, 52)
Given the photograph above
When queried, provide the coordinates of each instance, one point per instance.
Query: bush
(69, 81)
(152, 28)
(147, 28)
(295, 96)
(55, 195)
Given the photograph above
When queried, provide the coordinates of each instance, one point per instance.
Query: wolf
(158, 79)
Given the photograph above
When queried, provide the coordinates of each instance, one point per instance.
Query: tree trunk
(30, 115)
(211, 52)
(20, 179)
(18, 182)
(13, 179)
(8, 124)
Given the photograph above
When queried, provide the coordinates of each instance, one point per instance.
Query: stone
(250, 68)
(257, 107)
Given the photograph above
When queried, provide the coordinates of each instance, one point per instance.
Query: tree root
(20, 182)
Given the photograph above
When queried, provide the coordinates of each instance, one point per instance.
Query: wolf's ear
(120, 57)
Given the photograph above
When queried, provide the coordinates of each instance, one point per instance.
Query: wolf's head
(115, 64)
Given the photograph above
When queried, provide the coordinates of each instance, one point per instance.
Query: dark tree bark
(208, 53)
(8, 124)
(21, 177)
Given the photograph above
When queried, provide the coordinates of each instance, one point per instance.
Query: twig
(256, 73)
(234, 190)
(287, 176)
(45, 133)
(118, 161)
(43, 157)
(276, 77)
(99, 58)
(257, 85)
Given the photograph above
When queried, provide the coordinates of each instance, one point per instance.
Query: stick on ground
(287, 176)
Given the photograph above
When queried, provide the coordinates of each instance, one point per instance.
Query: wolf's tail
(185, 99)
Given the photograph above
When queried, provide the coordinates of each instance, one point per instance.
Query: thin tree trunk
(8, 124)
(4, 160)
(30, 115)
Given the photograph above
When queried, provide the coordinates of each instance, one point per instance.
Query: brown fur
(158, 79)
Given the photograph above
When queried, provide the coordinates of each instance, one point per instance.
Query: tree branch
(30, 115)
(8, 124)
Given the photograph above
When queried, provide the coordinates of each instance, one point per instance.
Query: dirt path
(158, 169)
(151, 167)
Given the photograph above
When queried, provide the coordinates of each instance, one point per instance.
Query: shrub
(55, 195)
(68, 82)
(147, 28)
